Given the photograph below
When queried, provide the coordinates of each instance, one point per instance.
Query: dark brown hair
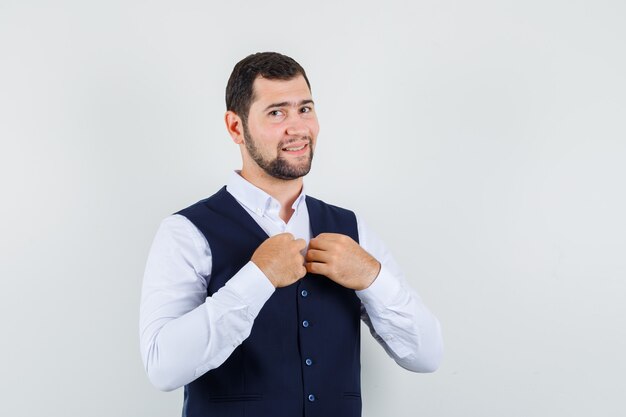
(270, 65)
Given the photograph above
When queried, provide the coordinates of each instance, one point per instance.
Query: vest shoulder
(205, 203)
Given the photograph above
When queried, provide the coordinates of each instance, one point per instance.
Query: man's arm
(184, 333)
(395, 314)
(392, 310)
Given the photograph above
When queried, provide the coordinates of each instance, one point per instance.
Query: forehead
(277, 91)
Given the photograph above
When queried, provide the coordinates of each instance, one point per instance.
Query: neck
(284, 191)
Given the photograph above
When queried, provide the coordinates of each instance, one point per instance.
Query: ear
(234, 126)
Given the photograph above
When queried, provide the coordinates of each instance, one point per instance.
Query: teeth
(295, 149)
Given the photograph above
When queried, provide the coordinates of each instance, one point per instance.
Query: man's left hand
(341, 259)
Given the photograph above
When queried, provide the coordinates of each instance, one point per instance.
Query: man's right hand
(280, 258)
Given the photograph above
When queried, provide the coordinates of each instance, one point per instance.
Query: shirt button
(304, 293)
(308, 362)
(305, 323)
(311, 397)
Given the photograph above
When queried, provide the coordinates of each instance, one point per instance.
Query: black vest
(302, 357)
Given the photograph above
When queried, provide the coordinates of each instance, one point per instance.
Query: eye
(306, 109)
(275, 113)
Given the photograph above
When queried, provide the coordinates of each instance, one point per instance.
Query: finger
(330, 237)
(321, 242)
(300, 244)
(302, 271)
(330, 246)
(316, 268)
(329, 240)
(314, 255)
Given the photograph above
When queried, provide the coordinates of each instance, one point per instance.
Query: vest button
(311, 397)
(308, 362)
(304, 293)
(305, 323)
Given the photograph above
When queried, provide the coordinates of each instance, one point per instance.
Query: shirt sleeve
(395, 314)
(184, 333)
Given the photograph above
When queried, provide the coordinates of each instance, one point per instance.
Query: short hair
(270, 65)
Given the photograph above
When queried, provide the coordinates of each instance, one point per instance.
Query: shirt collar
(255, 199)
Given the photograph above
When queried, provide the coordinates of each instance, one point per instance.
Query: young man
(252, 298)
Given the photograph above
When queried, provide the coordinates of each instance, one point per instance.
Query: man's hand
(341, 259)
(280, 258)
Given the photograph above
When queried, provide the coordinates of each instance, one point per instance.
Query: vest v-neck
(237, 213)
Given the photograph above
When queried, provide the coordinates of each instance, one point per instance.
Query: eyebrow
(288, 103)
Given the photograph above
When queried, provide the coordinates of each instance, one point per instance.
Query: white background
(485, 141)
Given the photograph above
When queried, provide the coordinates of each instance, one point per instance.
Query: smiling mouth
(295, 148)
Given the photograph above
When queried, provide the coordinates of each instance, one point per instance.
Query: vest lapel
(229, 207)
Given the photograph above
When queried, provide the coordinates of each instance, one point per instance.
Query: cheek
(314, 128)
(267, 136)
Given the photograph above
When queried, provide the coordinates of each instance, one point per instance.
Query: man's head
(269, 65)
(270, 114)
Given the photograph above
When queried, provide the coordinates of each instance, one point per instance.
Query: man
(252, 298)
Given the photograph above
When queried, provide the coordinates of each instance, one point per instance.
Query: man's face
(281, 130)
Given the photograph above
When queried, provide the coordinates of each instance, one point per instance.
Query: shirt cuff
(385, 289)
(252, 286)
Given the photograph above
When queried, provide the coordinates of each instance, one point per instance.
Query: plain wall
(484, 141)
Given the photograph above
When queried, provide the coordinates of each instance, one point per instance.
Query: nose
(297, 127)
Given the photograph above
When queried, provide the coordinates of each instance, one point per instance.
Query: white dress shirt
(184, 333)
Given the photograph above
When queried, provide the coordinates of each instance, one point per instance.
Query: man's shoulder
(205, 203)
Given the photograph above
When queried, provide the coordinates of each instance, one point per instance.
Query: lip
(302, 151)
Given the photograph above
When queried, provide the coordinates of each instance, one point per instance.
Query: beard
(278, 167)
